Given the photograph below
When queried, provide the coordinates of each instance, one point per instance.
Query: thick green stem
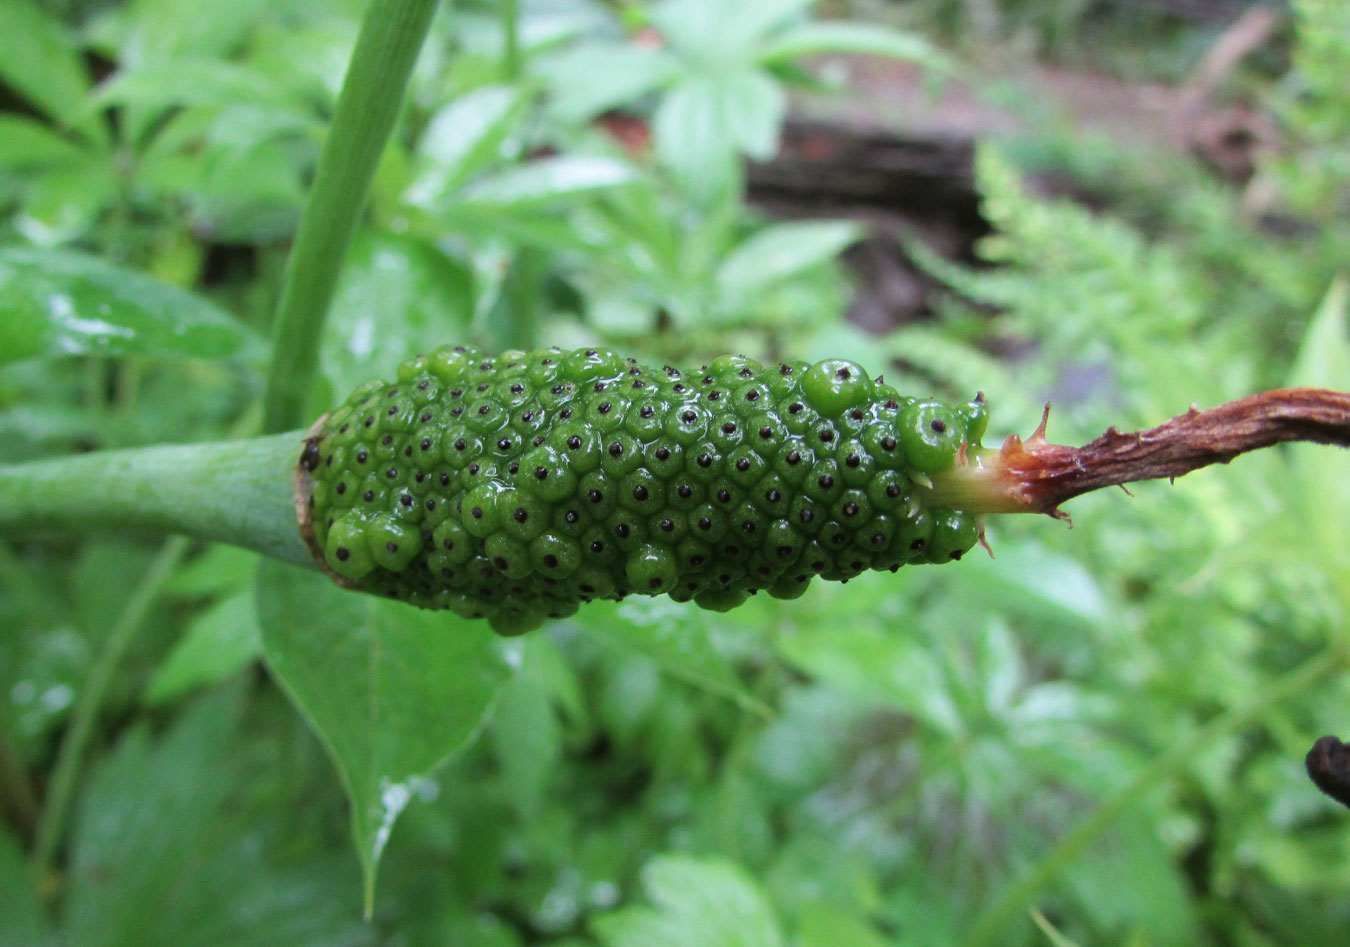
(237, 492)
(61, 792)
(367, 107)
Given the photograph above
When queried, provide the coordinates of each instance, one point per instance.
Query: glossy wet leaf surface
(392, 691)
(56, 302)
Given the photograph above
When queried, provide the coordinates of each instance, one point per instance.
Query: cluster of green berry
(517, 487)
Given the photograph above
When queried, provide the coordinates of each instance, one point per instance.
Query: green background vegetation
(1094, 738)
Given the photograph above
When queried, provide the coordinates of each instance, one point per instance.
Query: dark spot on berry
(551, 561)
(714, 395)
(888, 443)
(476, 512)
(445, 480)
(391, 473)
(892, 490)
(368, 496)
(599, 386)
(655, 582)
(646, 411)
(752, 396)
(853, 460)
(521, 514)
(704, 523)
(622, 530)
(806, 516)
(667, 526)
(426, 443)
(850, 509)
(826, 435)
(795, 408)
(917, 545)
(826, 481)
(705, 460)
(461, 444)
(729, 427)
(662, 453)
(723, 496)
(597, 546)
(772, 495)
(504, 444)
(571, 516)
(595, 496)
(387, 440)
(513, 468)
(938, 425)
(747, 526)
(343, 553)
(342, 486)
(565, 413)
(784, 550)
(573, 442)
(685, 491)
(392, 547)
(639, 492)
(541, 473)
(604, 407)
(743, 465)
(501, 563)
(406, 500)
(615, 449)
(517, 389)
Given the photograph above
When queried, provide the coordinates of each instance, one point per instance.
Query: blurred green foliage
(898, 760)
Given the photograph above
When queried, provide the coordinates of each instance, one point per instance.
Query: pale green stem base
(236, 492)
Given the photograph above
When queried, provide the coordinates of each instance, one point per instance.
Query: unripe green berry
(517, 487)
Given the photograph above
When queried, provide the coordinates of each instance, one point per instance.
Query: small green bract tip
(517, 487)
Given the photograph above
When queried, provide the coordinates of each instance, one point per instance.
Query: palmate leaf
(392, 691)
(54, 302)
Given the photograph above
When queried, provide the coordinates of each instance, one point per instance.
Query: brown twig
(1035, 476)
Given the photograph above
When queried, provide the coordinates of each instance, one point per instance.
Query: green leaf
(392, 691)
(462, 139)
(27, 144)
(780, 251)
(161, 858)
(839, 36)
(145, 813)
(217, 643)
(1323, 361)
(191, 82)
(66, 202)
(707, 119)
(699, 902)
(40, 61)
(677, 638)
(716, 34)
(54, 302)
(588, 80)
(871, 665)
(549, 180)
(398, 295)
(1324, 355)
(525, 731)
